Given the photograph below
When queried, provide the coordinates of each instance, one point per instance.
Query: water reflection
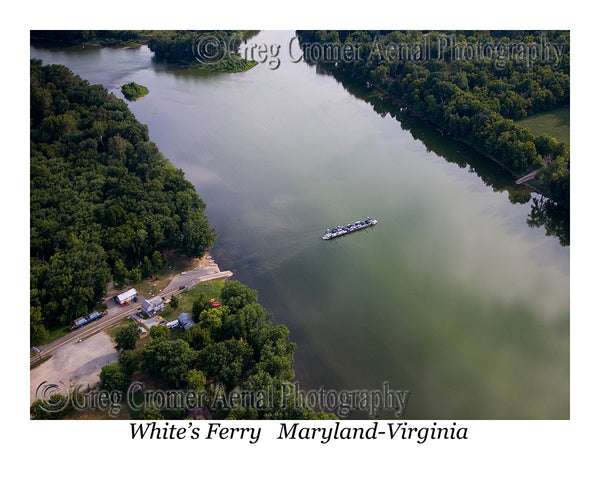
(544, 212)
(454, 298)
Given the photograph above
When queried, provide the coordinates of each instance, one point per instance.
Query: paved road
(192, 278)
(113, 316)
(116, 312)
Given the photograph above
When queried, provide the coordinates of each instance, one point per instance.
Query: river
(452, 296)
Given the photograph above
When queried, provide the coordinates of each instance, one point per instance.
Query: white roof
(125, 295)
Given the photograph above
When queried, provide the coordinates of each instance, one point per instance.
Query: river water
(452, 296)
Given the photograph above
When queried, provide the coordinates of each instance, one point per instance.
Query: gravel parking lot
(75, 364)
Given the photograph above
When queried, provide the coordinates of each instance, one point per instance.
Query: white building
(126, 297)
(152, 306)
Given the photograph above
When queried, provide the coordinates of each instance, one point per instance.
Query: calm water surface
(452, 296)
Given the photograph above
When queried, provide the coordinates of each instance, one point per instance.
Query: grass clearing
(56, 333)
(186, 298)
(555, 123)
(113, 329)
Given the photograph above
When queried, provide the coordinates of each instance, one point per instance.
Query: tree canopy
(474, 99)
(126, 337)
(133, 91)
(104, 201)
(204, 50)
(229, 348)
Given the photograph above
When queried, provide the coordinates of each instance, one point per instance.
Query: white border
(536, 449)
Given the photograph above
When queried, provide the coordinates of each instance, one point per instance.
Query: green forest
(215, 51)
(476, 101)
(212, 51)
(105, 203)
(105, 38)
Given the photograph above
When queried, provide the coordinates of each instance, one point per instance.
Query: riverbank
(456, 263)
(531, 183)
(91, 38)
(232, 64)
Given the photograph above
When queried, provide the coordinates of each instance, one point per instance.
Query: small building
(185, 321)
(126, 297)
(142, 332)
(152, 306)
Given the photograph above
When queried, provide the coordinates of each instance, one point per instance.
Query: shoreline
(204, 269)
(86, 44)
(445, 133)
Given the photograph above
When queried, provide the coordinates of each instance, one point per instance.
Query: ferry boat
(351, 227)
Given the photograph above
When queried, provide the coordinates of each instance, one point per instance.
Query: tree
(38, 333)
(171, 360)
(113, 378)
(128, 361)
(126, 337)
(380, 74)
(226, 361)
(242, 323)
(277, 354)
(174, 302)
(212, 321)
(235, 295)
(160, 332)
(157, 260)
(196, 380)
(197, 336)
(197, 234)
(56, 407)
(152, 413)
(201, 303)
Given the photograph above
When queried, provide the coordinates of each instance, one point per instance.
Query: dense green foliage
(211, 51)
(128, 361)
(474, 100)
(234, 347)
(55, 407)
(113, 377)
(104, 201)
(133, 91)
(101, 37)
(203, 50)
(126, 337)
